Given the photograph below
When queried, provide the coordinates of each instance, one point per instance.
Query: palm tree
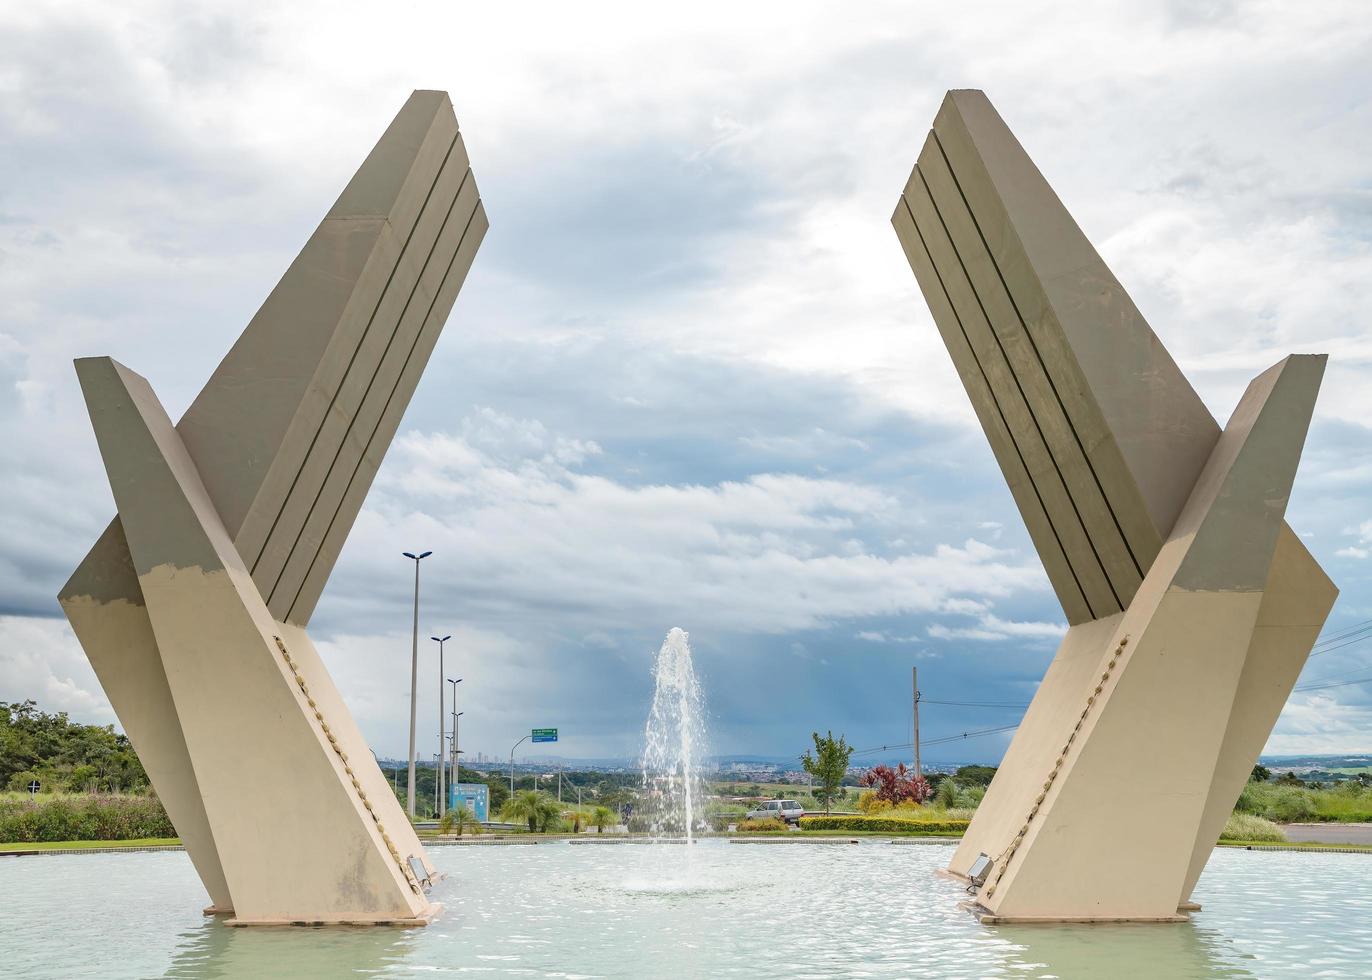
(602, 817)
(528, 805)
(458, 818)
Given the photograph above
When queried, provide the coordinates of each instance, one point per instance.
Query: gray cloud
(690, 380)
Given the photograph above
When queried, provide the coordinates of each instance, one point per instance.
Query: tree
(827, 764)
(601, 817)
(975, 775)
(895, 786)
(65, 754)
(1261, 774)
(531, 807)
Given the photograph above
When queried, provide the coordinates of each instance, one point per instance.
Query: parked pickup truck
(788, 810)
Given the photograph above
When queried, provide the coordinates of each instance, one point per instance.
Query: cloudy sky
(690, 380)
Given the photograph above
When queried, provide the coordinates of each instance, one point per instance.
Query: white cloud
(992, 628)
(1316, 723)
(40, 659)
(773, 553)
(1363, 549)
(723, 200)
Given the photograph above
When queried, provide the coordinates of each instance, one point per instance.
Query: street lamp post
(414, 675)
(442, 748)
(457, 749)
(512, 748)
(455, 746)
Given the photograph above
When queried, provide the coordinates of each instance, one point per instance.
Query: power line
(1325, 687)
(1356, 628)
(975, 704)
(939, 741)
(1346, 643)
(984, 731)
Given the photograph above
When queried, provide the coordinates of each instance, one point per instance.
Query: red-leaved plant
(895, 786)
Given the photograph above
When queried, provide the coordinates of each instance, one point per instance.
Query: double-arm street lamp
(442, 732)
(414, 675)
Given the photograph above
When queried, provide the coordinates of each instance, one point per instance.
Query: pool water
(716, 909)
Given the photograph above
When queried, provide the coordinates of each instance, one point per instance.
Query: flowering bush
(896, 786)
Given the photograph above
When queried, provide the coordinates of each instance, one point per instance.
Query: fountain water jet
(674, 743)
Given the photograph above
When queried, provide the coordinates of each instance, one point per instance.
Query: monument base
(989, 918)
(432, 913)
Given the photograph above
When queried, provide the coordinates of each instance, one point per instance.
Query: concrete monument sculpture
(192, 605)
(1191, 605)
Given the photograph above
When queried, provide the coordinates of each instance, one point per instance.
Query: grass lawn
(84, 845)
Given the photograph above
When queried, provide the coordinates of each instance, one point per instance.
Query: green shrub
(1290, 804)
(882, 824)
(83, 817)
(969, 798)
(765, 825)
(19, 782)
(1246, 827)
(947, 793)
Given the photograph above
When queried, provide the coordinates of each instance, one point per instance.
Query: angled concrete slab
(230, 523)
(1192, 605)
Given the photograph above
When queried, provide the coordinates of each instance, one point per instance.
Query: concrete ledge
(952, 841)
(793, 840)
(481, 842)
(1308, 848)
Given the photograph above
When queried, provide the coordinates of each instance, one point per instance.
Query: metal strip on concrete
(281, 376)
(1140, 422)
(334, 458)
(1101, 525)
(1015, 408)
(375, 445)
(387, 316)
(1003, 447)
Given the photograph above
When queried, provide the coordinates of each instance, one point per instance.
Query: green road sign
(545, 735)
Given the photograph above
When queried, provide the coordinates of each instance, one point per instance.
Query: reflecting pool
(558, 909)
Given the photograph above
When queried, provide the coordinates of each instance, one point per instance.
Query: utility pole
(914, 686)
(442, 734)
(559, 784)
(414, 675)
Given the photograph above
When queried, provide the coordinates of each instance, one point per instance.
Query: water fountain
(673, 744)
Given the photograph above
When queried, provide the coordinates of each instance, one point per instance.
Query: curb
(51, 852)
(1333, 849)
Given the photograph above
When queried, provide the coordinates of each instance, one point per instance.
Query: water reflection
(784, 910)
(1144, 951)
(214, 951)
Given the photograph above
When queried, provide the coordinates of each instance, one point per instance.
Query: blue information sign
(474, 796)
(545, 735)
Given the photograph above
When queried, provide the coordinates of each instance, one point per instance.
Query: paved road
(1330, 833)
